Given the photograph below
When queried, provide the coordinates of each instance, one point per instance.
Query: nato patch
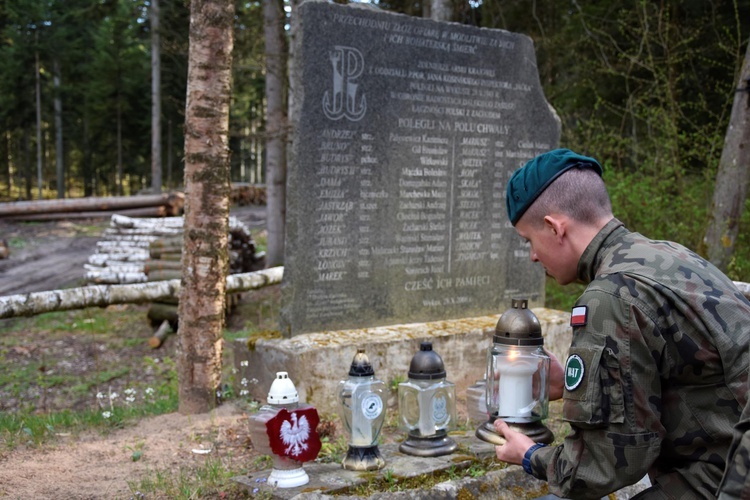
(579, 316)
(574, 370)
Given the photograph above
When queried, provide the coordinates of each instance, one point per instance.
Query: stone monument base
(316, 362)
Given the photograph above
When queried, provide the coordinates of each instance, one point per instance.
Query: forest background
(645, 86)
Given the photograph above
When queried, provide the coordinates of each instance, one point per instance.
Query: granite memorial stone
(405, 134)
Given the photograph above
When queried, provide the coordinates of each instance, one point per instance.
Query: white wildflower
(106, 414)
(244, 363)
(243, 382)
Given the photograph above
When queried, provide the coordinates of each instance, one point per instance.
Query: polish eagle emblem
(293, 434)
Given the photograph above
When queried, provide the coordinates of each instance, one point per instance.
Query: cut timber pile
(244, 193)
(138, 250)
(150, 205)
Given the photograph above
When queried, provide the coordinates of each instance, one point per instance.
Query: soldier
(656, 374)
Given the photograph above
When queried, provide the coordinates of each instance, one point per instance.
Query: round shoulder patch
(574, 369)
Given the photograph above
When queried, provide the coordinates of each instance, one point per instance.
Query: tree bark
(205, 257)
(730, 191)
(30, 304)
(155, 98)
(38, 125)
(59, 158)
(276, 126)
(440, 10)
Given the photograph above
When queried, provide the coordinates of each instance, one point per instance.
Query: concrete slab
(316, 362)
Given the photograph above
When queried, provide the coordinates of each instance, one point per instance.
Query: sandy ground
(93, 466)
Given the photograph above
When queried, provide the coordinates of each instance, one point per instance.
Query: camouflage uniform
(736, 482)
(664, 353)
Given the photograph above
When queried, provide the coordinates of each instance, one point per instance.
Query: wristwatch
(526, 462)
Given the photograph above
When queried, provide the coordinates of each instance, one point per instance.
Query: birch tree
(730, 191)
(205, 256)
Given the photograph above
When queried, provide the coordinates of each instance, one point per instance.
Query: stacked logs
(139, 250)
(244, 193)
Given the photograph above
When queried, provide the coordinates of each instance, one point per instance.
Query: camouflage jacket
(736, 482)
(656, 374)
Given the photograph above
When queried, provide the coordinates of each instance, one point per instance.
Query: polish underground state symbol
(574, 369)
(294, 434)
(342, 100)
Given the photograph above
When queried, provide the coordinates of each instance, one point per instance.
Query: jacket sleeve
(615, 432)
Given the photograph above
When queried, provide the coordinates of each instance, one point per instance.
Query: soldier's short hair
(579, 193)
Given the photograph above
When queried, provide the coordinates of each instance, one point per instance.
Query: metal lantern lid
(361, 366)
(426, 364)
(518, 326)
(282, 390)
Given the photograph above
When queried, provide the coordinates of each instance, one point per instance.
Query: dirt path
(102, 467)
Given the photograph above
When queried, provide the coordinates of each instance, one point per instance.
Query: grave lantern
(427, 406)
(517, 380)
(286, 430)
(361, 399)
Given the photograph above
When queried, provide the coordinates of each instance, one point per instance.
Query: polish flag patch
(578, 316)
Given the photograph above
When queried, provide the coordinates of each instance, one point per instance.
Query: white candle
(516, 397)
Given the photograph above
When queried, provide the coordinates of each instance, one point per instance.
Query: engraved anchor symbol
(348, 65)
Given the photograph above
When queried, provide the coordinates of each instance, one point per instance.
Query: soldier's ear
(555, 224)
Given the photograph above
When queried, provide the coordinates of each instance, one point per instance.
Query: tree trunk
(730, 191)
(441, 10)
(38, 126)
(29, 304)
(155, 99)
(273, 24)
(59, 162)
(205, 258)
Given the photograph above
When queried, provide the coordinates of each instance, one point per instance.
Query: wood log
(116, 267)
(164, 274)
(122, 221)
(135, 212)
(93, 204)
(103, 259)
(161, 334)
(113, 278)
(29, 304)
(160, 311)
(158, 264)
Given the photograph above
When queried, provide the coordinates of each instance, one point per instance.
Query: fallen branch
(30, 304)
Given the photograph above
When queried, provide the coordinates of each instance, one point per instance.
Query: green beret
(529, 181)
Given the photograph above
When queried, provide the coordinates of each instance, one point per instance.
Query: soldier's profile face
(547, 249)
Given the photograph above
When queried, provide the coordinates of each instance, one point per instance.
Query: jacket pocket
(593, 395)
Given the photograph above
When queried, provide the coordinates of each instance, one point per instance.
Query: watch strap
(526, 462)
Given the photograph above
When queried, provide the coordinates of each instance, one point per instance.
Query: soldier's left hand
(515, 445)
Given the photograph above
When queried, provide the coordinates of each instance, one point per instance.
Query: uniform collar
(589, 262)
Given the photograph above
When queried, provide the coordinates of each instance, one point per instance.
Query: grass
(213, 479)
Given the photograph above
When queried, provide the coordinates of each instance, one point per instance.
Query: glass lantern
(361, 400)
(517, 380)
(427, 406)
(286, 430)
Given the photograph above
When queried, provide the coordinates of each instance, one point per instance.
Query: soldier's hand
(515, 445)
